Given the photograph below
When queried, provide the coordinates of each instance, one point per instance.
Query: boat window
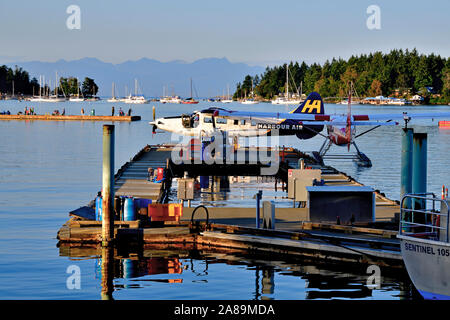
(236, 122)
(207, 120)
(242, 122)
(253, 123)
(221, 120)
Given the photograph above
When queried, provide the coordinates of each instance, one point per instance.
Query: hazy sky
(255, 32)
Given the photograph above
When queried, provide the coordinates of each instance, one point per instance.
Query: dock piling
(406, 165)
(108, 185)
(419, 176)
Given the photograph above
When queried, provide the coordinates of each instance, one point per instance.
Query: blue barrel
(98, 208)
(143, 203)
(204, 182)
(129, 213)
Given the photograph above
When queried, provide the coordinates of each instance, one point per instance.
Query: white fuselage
(202, 123)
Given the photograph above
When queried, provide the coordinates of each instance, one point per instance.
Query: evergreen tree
(372, 74)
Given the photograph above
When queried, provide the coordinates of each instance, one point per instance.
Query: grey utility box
(268, 215)
(299, 179)
(185, 189)
(327, 203)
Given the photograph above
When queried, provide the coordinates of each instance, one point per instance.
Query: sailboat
(135, 99)
(77, 98)
(12, 97)
(286, 99)
(227, 100)
(55, 97)
(191, 99)
(169, 99)
(113, 95)
(251, 100)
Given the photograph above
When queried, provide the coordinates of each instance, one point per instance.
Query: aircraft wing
(353, 123)
(400, 116)
(333, 119)
(271, 115)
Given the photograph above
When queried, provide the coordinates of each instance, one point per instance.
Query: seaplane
(305, 121)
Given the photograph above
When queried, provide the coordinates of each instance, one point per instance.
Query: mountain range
(210, 76)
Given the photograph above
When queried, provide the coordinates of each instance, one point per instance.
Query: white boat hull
(135, 102)
(428, 266)
(47, 100)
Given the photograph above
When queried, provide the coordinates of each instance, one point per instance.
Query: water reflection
(221, 274)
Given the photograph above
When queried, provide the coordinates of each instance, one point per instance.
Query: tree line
(399, 72)
(19, 80)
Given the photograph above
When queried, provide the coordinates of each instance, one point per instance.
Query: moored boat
(425, 247)
(174, 99)
(189, 100)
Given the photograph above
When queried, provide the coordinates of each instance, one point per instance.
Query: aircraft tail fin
(313, 105)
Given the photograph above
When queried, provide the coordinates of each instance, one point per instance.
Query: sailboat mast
(287, 81)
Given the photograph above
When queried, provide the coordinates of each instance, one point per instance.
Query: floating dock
(48, 117)
(232, 228)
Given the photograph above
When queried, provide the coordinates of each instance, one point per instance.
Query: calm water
(50, 168)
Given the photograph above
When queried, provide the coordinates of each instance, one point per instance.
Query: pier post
(419, 177)
(406, 165)
(108, 185)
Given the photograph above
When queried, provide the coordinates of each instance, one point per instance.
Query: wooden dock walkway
(132, 178)
(48, 117)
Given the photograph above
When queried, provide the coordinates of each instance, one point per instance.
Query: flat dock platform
(234, 228)
(48, 117)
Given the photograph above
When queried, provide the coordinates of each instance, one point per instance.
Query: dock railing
(423, 219)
